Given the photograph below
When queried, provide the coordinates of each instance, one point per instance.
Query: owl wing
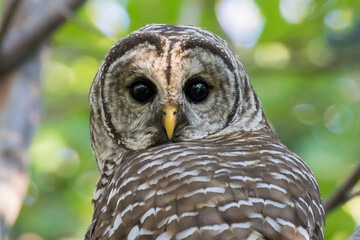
(247, 186)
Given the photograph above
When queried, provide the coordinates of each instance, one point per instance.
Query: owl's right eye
(142, 90)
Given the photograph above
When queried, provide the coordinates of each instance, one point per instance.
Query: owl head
(169, 83)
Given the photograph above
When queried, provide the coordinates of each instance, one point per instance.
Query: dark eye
(142, 90)
(197, 90)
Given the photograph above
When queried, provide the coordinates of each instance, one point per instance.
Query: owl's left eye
(142, 90)
(197, 90)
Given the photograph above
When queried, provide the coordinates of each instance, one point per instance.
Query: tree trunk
(26, 25)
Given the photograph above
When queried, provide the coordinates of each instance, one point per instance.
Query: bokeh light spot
(43, 148)
(294, 11)
(65, 161)
(338, 118)
(110, 17)
(52, 156)
(59, 78)
(85, 68)
(349, 89)
(272, 55)
(241, 20)
(306, 114)
(338, 23)
(319, 52)
(29, 236)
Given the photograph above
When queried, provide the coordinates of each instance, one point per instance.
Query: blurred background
(302, 56)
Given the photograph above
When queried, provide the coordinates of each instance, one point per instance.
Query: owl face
(170, 83)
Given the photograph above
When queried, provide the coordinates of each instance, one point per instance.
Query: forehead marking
(213, 48)
(192, 43)
(168, 63)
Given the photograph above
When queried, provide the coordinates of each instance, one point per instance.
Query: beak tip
(169, 120)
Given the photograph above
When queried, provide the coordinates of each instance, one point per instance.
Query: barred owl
(184, 148)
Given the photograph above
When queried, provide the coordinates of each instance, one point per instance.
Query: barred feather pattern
(223, 175)
(244, 186)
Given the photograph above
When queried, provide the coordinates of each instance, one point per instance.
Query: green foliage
(307, 76)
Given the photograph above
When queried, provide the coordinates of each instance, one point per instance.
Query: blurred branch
(344, 192)
(355, 194)
(20, 44)
(8, 15)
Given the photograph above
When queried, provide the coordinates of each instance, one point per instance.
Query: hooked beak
(169, 120)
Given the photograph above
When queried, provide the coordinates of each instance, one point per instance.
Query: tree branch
(7, 17)
(343, 193)
(355, 194)
(29, 35)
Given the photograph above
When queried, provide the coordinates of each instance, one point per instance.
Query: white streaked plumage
(186, 233)
(184, 148)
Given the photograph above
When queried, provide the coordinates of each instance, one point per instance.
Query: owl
(184, 149)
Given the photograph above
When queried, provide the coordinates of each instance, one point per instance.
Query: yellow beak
(169, 120)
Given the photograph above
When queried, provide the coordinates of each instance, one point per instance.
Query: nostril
(174, 113)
